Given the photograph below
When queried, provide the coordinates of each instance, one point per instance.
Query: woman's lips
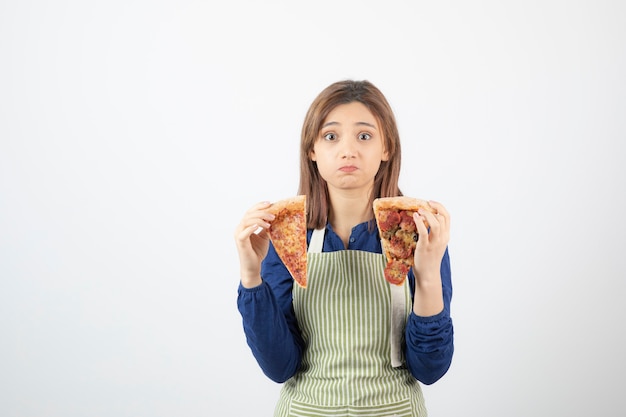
(348, 168)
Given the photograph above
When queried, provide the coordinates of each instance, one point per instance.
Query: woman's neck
(348, 211)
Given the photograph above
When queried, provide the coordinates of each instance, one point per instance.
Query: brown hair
(311, 183)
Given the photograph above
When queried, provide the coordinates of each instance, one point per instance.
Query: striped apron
(352, 322)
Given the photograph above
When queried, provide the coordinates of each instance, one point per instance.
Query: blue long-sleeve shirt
(272, 331)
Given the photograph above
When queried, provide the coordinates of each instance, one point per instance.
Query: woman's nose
(348, 150)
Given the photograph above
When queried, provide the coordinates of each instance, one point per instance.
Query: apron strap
(317, 241)
(398, 321)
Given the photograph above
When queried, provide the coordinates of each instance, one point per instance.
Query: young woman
(332, 343)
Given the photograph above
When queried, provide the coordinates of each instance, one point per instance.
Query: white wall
(134, 134)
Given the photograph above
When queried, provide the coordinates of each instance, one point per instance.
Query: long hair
(311, 183)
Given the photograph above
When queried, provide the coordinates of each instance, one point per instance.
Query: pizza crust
(402, 203)
(293, 204)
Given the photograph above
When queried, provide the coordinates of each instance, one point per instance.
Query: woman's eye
(330, 136)
(364, 136)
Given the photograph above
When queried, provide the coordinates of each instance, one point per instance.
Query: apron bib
(352, 321)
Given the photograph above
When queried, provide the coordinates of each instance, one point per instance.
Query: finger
(258, 215)
(262, 233)
(432, 219)
(444, 219)
(261, 205)
(258, 208)
(243, 233)
(262, 221)
(262, 208)
(249, 227)
(441, 210)
(422, 230)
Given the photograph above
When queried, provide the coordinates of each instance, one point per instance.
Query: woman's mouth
(348, 168)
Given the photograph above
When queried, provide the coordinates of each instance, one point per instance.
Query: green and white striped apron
(352, 321)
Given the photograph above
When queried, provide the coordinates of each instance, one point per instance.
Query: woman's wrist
(251, 281)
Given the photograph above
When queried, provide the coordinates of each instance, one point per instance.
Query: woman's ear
(312, 155)
(385, 156)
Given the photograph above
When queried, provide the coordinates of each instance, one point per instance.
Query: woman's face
(349, 148)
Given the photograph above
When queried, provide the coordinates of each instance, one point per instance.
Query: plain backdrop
(134, 135)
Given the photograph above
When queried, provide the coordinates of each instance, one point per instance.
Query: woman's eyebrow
(356, 124)
(366, 124)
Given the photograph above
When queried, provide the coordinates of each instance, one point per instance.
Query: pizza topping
(396, 271)
(407, 223)
(398, 233)
(401, 245)
(398, 228)
(288, 234)
(388, 220)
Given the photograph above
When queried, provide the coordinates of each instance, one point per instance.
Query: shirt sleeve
(430, 340)
(269, 321)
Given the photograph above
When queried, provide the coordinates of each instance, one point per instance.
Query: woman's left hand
(432, 242)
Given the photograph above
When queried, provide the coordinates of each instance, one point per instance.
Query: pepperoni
(400, 247)
(389, 219)
(406, 221)
(396, 271)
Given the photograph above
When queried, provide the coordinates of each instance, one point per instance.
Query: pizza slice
(288, 234)
(398, 233)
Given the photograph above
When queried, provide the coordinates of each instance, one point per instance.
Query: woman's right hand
(252, 239)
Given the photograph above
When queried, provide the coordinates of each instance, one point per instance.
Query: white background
(134, 134)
